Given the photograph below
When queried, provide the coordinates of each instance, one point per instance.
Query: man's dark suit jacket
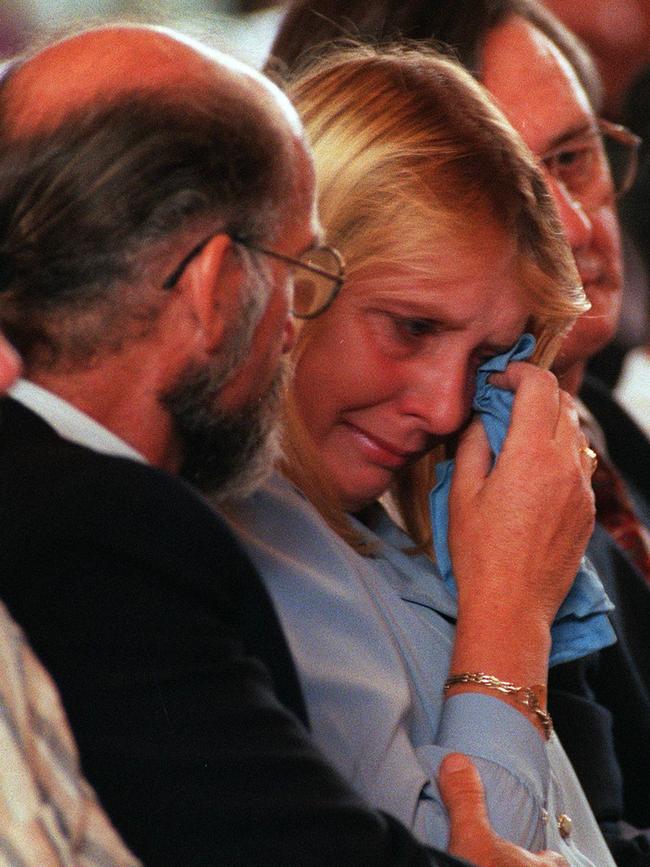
(601, 704)
(172, 665)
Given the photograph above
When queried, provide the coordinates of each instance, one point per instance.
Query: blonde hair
(410, 152)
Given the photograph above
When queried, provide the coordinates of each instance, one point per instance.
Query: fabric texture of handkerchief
(581, 626)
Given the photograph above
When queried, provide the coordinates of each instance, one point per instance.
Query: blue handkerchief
(581, 625)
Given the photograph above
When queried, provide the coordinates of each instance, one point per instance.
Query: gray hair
(89, 210)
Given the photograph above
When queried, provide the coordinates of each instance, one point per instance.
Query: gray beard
(226, 455)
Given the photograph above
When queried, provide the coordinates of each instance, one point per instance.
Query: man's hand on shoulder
(471, 835)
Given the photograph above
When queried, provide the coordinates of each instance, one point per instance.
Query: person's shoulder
(602, 403)
(50, 487)
(288, 540)
(76, 523)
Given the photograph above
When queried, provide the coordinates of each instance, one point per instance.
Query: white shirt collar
(71, 423)
(633, 388)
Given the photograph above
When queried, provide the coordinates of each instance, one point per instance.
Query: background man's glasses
(622, 149)
(597, 161)
(317, 275)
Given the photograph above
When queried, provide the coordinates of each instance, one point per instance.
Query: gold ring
(590, 453)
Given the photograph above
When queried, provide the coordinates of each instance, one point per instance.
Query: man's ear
(210, 285)
(9, 364)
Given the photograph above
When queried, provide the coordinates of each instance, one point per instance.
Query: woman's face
(388, 371)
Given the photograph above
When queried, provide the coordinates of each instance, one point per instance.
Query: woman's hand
(517, 532)
(471, 836)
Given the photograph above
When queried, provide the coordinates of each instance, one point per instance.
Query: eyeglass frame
(632, 142)
(337, 279)
(623, 136)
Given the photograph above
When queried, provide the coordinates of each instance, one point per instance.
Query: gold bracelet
(529, 696)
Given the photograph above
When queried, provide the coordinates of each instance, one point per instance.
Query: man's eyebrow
(585, 128)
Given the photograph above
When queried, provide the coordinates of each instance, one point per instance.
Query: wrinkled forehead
(533, 83)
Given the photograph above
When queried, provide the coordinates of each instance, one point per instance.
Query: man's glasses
(604, 158)
(318, 274)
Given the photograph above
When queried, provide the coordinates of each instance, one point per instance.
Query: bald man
(154, 200)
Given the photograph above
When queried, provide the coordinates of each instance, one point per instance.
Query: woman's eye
(412, 328)
(401, 335)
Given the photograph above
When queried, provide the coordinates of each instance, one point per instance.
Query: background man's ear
(9, 364)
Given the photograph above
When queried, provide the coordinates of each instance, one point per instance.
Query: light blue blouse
(372, 641)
